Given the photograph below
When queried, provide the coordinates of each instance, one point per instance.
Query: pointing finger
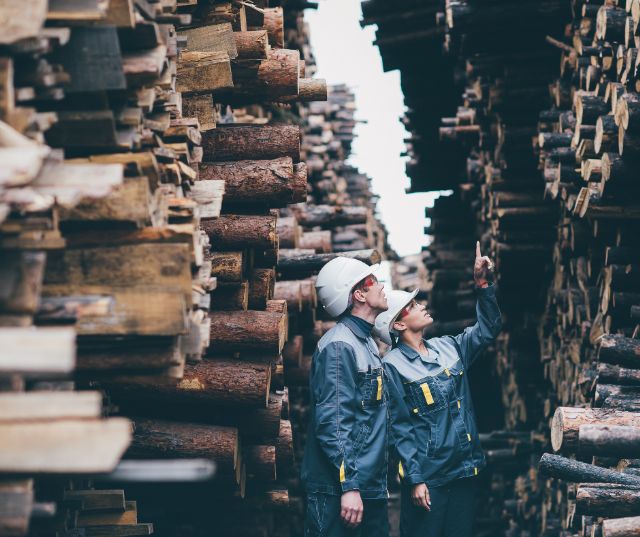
(478, 253)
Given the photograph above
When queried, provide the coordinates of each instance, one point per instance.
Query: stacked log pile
(564, 247)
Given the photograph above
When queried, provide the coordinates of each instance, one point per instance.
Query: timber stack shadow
(535, 132)
(173, 177)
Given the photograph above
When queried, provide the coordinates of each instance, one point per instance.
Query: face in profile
(414, 317)
(373, 292)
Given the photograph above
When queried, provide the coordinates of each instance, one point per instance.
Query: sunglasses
(407, 309)
(366, 284)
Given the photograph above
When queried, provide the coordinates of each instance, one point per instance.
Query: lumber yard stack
(161, 255)
(542, 174)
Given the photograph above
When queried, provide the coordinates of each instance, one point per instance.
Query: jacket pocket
(432, 444)
(372, 388)
(361, 438)
(427, 396)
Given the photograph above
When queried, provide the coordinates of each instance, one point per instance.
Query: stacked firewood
(565, 268)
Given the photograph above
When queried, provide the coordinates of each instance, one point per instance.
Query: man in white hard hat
(426, 381)
(345, 461)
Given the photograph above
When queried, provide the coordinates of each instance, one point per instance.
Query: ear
(399, 326)
(358, 296)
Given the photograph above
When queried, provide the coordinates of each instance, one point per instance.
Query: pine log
(568, 420)
(262, 80)
(608, 500)
(613, 374)
(261, 462)
(289, 232)
(285, 459)
(328, 215)
(294, 262)
(234, 231)
(247, 330)
(619, 350)
(168, 439)
(277, 306)
(252, 45)
(210, 384)
(227, 266)
(204, 72)
(230, 296)
(251, 142)
(259, 182)
(581, 472)
(621, 527)
(261, 287)
(292, 351)
(609, 440)
(309, 90)
(291, 292)
(320, 241)
(274, 24)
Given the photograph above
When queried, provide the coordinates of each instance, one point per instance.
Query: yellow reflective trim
(342, 472)
(459, 404)
(475, 471)
(379, 395)
(469, 437)
(427, 393)
(400, 470)
(447, 372)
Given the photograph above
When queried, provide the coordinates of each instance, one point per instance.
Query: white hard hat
(336, 280)
(397, 301)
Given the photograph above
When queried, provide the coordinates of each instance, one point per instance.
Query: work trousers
(452, 511)
(323, 518)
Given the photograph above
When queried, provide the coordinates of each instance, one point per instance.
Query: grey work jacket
(435, 391)
(346, 446)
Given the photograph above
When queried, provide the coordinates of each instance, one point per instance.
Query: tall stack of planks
(163, 230)
(543, 175)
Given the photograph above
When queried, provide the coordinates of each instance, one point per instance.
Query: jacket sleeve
(477, 338)
(402, 431)
(335, 410)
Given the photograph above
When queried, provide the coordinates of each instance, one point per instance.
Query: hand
(351, 508)
(482, 268)
(420, 496)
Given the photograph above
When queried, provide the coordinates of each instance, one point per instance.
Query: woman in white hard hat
(345, 461)
(427, 378)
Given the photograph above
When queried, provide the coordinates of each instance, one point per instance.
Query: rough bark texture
(610, 440)
(261, 287)
(621, 527)
(320, 241)
(607, 500)
(284, 450)
(227, 266)
(274, 23)
(251, 142)
(251, 45)
(261, 462)
(234, 231)
(309, 89)
(209, 384)
(298, 262)
(247, 330)
(259, 182)
(567, 422)
(289, 232)
(291, 292)
(168, 439)
(230, 296)
(619, 350)
(581, 472)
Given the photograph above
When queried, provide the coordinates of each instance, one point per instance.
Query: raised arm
(476, 338)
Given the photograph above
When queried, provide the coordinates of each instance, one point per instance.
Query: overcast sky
(345, 54)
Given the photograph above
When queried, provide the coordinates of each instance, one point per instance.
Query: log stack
(564, 245)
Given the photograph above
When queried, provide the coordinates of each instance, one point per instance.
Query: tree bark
(210, 384)
(581, 472)
(295, 262)
(235, 231)
(251, 142)
(621, 527)
(291, 292)
(261, 287)
(230, 296)
(613, 374)
(274, 24)
(292, 352)
(260, 462)
(568, 420)
(257, 182)
(329, 215)
(619, 350)
(285, 459)
(252, 45)
(168, 439)
(607, 500)
(609, 440)
(247, 330)
(227, 266)
(320, 241)
(309, 90)
(289, 232)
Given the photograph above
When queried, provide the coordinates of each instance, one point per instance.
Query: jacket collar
(412, 354)
(359, 327)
